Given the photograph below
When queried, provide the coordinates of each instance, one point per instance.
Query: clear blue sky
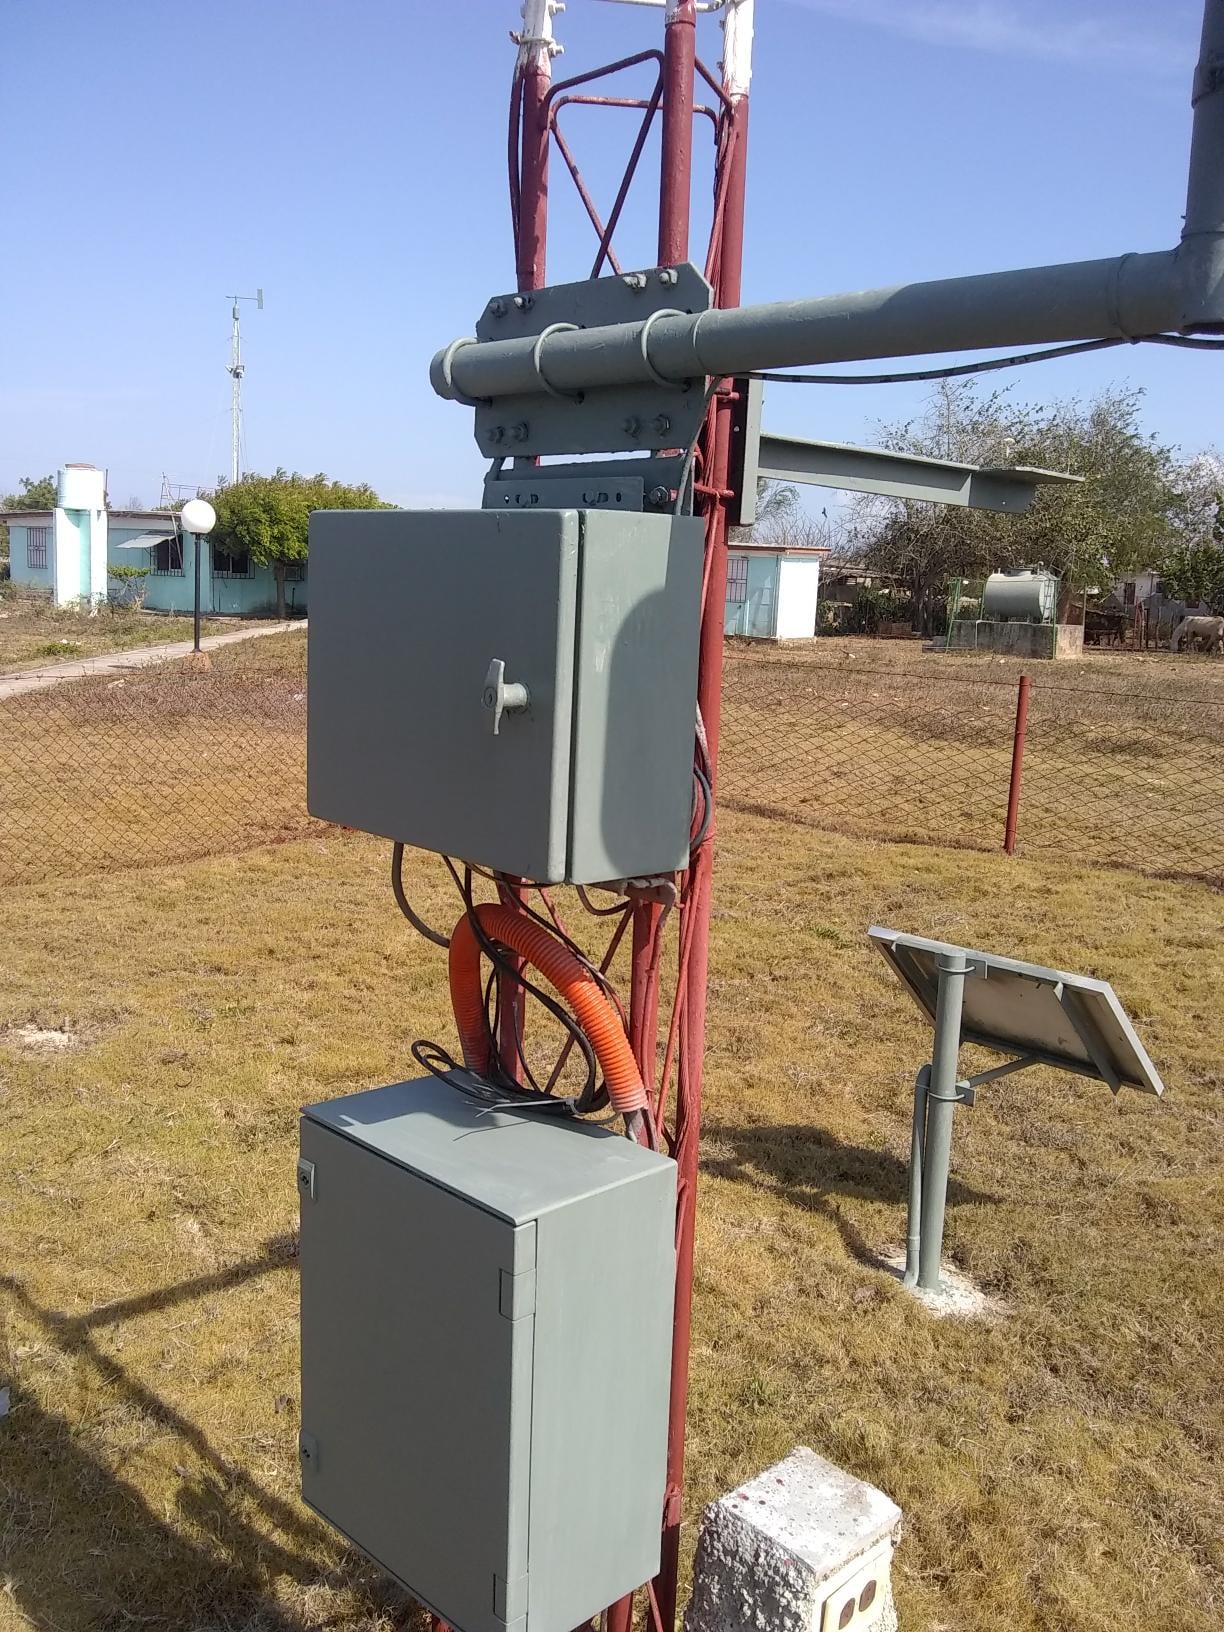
(348, 156)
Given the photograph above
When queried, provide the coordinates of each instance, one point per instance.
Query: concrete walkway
(18, 681)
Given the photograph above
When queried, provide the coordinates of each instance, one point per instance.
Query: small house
(68, 553)
(772, 589)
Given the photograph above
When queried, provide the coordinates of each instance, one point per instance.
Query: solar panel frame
(1071, 1022)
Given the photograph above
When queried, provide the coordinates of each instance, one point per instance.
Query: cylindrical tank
(1022, 594)
(81, 487)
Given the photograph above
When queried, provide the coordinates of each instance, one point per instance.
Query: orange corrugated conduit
(597, 1017)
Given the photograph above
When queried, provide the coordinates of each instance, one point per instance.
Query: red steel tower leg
(530, 143)
(709, 701)
(529, 151)
(533, 73)
(676, 173)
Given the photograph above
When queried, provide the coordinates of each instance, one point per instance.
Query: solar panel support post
(914, 1213)
(942, 1096)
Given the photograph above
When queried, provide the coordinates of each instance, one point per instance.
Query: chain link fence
(1114, 772)
(171, 763)
(160, 764)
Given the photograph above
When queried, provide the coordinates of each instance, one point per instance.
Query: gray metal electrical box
(486, 1337)
(575, 760)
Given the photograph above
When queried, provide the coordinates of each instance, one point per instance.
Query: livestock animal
(1210, 631)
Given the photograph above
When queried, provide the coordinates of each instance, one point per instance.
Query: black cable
(600, 912)
(1196, 342)
(707, 794)
(397, 885)
(500, 957)
(492, 1095)
(988, 365)
(592, 969)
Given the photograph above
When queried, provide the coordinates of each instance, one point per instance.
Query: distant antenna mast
(235, 372)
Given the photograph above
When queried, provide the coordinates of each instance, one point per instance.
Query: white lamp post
(198, 518)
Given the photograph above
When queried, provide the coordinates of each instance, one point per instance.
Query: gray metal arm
(1125, 297)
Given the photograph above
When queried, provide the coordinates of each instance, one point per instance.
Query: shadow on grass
(83, 1549)
(809, 1168)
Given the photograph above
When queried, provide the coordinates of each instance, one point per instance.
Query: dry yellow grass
(33, 632)
(1124, 763)
(1059, 1470)
(158, 765)
(878, 739)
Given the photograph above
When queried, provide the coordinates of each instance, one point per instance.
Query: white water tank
(81, 487)
(1021, 594)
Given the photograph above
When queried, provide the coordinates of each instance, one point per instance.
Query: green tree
(1117, 520)
(268, 517)
(1192, 566)
(35, 493)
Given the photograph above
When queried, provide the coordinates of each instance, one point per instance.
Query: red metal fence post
(1017, 765)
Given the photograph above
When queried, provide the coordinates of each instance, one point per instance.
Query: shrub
(131, 586)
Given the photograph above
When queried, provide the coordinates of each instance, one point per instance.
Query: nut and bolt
(497, 433)
(634, 280)
(669, 277)
(659, 495)
(660, 425)
(497, 308)
(523, 303)
(631, 426)
(519, 432)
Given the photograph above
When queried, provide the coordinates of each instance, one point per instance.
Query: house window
(166, 557)
(37, 539)
(231, 563)
(737, 580)
(295, 572)
(1128, 593)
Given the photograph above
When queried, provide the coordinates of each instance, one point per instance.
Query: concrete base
(1017, 639)
(804, 1547)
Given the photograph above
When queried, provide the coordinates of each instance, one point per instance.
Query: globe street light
(198, 518)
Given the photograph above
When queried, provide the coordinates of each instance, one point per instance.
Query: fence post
(1017, 765)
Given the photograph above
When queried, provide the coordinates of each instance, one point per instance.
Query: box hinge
(517, 1294)
(510, 1602)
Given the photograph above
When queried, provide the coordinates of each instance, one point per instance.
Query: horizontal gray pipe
(1121, 298)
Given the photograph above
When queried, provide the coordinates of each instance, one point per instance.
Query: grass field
(33, 632)
(1124, 763)
(162, 764)
(1059, 1468)
(876, 739)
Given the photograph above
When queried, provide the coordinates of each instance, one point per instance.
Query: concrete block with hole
(803, 1547)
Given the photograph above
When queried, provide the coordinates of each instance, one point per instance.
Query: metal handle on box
(501, 696)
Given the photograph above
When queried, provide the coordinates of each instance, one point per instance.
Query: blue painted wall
(19, 572)
(251, 597)
(757, 614)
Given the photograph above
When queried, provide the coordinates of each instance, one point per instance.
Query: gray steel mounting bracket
(656, 413)
(604, 484)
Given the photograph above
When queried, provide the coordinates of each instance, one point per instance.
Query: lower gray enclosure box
(486, 1337)
(594, 612)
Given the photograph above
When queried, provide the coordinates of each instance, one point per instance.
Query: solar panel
(1072, 1022)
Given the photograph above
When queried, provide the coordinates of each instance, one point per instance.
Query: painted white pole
(537, 44)
(737, 47)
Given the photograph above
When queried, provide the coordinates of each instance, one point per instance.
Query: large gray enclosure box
(594, 615)
(486, 1332)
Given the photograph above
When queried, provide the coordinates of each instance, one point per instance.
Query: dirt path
(18, 681)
